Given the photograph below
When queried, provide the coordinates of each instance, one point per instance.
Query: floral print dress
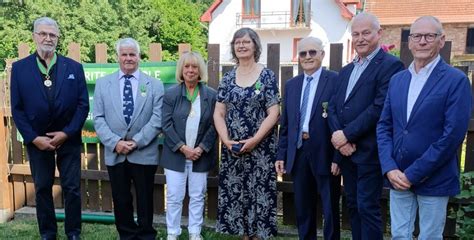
(247, 202)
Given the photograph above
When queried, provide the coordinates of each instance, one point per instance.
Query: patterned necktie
(127, 99)
(304, 105)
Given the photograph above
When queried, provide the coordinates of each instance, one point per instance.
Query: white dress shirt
(312, 92)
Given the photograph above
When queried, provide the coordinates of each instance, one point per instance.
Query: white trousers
(175, 191)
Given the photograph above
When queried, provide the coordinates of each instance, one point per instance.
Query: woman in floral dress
(245, 117)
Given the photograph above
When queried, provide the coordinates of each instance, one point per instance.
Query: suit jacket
(358, 115)
(319, 132)
(144, 126)
(176, 108)
(30, 106)
(425, 147)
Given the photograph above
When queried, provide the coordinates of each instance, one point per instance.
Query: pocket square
(71, 76)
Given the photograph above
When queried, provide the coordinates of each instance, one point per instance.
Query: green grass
(28, 229)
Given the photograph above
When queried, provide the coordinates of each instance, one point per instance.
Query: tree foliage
(87, 22)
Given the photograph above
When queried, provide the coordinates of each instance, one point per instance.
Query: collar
(316, 75)
(426, 69)
(368, 58)
(135, 74)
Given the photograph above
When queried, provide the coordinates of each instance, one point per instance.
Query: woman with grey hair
(245, 117)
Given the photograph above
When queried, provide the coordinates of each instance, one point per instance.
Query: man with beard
(49, 104)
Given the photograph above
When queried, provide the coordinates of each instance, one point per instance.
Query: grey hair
(311, 40)
(45, 21)
(255, 39)
(435, 20)
(127, 42)
(365, 15)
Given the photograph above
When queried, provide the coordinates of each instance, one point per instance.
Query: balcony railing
(271, 20)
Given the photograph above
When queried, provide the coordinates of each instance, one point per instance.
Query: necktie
(127, 99)
(304, 105)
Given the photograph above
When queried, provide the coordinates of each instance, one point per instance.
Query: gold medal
(143, 94)
(48, 83)
(325, 115)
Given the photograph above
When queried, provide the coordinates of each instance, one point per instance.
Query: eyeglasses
(312, 53)
(429, 37)
(243, 43)
(52, 36)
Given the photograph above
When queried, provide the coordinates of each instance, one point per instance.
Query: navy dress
(247, 183)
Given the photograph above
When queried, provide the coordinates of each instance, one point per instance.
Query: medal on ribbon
(143, 90)
(45, 71)
(325, 109)
(258, 86)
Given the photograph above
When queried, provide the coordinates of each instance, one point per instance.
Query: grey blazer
(144, 127)
(176, 108)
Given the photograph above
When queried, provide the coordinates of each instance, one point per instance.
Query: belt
(305, 136)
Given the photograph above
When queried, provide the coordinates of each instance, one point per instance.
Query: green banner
(163, 71)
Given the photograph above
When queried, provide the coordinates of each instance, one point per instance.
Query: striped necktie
(304, 105)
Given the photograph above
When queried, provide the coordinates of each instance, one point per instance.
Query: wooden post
(184, 47)
(273, 59)
(335, 56)
(6, 213)
(155, 52)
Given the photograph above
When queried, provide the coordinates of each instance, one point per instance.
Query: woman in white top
(189, 150)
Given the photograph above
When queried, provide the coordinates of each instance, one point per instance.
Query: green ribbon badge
(258, 86)
(325, 109)
(143, 90)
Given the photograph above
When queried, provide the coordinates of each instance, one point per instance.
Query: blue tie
(127, 99)
(304, 105)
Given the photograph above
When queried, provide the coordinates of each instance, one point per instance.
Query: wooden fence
(17, 189)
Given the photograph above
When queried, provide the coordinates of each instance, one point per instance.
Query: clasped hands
(50, 142)
(190, 153)
(125, 147)
(249, 144)
(398, 179)
(340, 142)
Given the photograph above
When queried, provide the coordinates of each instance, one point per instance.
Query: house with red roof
(284, 22)
(457, 17)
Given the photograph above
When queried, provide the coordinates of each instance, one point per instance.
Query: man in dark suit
(49, 103)
(353, 115)
(423, 122)
(305, 149)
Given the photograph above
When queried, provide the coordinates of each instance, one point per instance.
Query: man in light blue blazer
(127, 119)
(423, 123)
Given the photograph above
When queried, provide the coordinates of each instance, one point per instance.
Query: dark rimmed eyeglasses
(312, 53)
(45, 34)
(429, 37)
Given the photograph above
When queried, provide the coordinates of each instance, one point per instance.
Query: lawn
(27, 229)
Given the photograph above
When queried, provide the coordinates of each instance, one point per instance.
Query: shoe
(195, 237)
(172, 237)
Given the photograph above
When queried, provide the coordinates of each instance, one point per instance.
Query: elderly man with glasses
(305, 149)
(423, 123)
(49, 103)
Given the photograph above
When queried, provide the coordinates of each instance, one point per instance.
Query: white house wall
(326, 24)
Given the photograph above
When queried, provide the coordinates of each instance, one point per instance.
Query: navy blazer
(358, 115)
(425, 147)
(29, 102)
(320, 135)
(176, 109)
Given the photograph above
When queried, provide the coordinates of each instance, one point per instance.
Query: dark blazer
(319, 132)
(425, 147)
(176, 108)
(29, 102)
(358, 115)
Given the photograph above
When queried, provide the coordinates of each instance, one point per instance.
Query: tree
(87, 22)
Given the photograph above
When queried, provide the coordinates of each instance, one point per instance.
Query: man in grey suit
(127, 119)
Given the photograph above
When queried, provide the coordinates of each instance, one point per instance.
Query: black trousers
(121, 177)
(42, 165)
(306, 185)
